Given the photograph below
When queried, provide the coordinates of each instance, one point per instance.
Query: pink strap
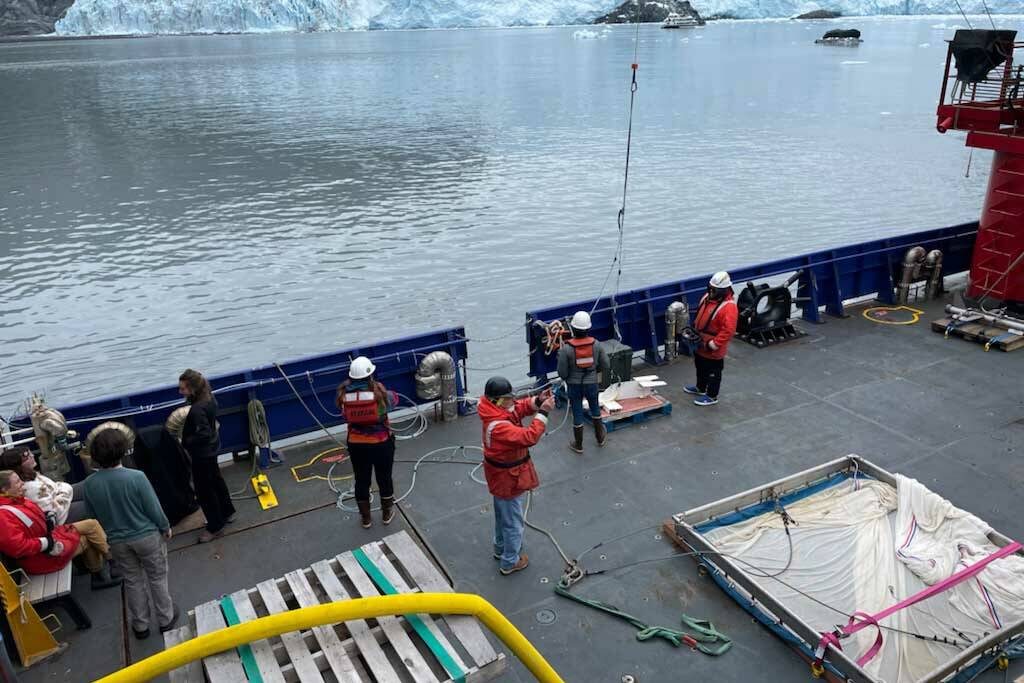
(866, 620)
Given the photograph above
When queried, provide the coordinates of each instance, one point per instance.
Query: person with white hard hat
(580, 360)
(715, 324)
(364, 403)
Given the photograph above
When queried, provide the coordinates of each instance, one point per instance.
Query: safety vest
(361, 407)
(584, 348)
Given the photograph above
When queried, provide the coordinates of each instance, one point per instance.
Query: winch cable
(616, 263)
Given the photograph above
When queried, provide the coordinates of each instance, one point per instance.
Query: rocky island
(648, 11)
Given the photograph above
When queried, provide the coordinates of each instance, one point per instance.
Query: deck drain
(628, 679)
(543, 579)
(546, 616)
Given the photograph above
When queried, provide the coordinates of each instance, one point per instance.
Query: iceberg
(106, 17)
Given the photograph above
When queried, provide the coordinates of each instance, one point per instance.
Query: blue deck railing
(829, 278)
(314, 378)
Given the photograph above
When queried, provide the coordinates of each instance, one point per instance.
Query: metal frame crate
(769, 611)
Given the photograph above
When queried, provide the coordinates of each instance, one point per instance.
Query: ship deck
(940, 410)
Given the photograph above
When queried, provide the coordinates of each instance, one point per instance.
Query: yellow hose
(331, 613)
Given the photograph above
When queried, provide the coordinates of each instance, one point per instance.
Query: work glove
(56, 548)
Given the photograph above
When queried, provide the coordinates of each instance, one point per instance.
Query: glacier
(107, 17)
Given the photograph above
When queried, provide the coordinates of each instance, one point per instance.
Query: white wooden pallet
(385, 650)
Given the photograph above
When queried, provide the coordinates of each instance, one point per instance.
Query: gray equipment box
(620, 357)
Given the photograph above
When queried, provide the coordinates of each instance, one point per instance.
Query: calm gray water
(227, 201)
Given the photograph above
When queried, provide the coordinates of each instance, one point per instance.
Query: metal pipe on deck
(677, 316)
(933, 261)
(435, 378)
(996, 320)
(912, 262)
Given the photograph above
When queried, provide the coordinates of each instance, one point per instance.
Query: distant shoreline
(121, 36)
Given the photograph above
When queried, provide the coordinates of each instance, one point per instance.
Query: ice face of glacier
(207, 16)
(96, 17)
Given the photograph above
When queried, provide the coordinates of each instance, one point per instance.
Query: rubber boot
(600, 431)
(577, 439)
(364, 513)
(102, 579)
(387, 509)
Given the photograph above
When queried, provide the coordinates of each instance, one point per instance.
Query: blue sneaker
(692, 389)
(704, 400)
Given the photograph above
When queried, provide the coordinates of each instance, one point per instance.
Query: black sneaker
(174, 620)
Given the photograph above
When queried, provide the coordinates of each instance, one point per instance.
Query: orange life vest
(584, 348)
(361, 407)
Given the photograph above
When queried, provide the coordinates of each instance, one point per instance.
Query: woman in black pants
(365, 403)
(201, 440)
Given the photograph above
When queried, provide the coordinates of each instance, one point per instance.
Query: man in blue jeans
(580, 360)
(507, 465)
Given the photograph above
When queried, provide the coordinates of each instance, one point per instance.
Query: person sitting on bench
(57, 497)
(42, 547)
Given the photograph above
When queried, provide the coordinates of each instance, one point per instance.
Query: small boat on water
(679, 21)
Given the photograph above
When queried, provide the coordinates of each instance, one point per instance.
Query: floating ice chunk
(925, 45)
(585, 34)
(852, 61)
(885, 113)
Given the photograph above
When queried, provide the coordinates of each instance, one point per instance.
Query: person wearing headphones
(715, 324)
(364, 403)
(580, 360)
(507, 465)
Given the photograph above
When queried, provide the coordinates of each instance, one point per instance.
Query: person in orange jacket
(715, 324)
(42, 547)
(507, 465)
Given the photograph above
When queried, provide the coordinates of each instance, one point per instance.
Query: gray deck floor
(940, 410)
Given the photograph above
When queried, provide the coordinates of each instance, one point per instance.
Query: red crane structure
(985, 97)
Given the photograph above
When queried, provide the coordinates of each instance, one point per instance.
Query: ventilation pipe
(51, 432)
(677, 317)
(933, 261)
(435, 379)
(913, 260)
(117, 426)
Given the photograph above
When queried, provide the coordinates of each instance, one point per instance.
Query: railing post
(651, 354)
(835, 307)
(809, 288)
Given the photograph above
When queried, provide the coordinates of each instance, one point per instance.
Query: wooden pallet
(385, 650)
(635, 411)
(981, 333)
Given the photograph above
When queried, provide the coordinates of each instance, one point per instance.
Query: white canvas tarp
(862, 545)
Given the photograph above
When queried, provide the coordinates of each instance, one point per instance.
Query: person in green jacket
(124, 502)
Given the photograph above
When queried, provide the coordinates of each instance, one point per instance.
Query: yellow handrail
(335, 612)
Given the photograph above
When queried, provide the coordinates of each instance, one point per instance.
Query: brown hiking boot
(387, 509)
(576, 443)
(600, 431)
(519, 566)
(364, 513)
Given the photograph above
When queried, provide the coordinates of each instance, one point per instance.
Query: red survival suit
(507, 465)
(23, 537)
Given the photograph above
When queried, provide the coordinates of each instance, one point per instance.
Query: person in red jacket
(507, 465)
(716, 325)
(39, 546)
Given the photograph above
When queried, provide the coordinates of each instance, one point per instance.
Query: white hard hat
(721, 280)
(581, 320)
(361, 368)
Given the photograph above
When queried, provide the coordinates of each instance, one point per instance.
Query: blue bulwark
(829, 278)
(314, 378)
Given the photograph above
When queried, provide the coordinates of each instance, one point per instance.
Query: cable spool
(118, 426)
